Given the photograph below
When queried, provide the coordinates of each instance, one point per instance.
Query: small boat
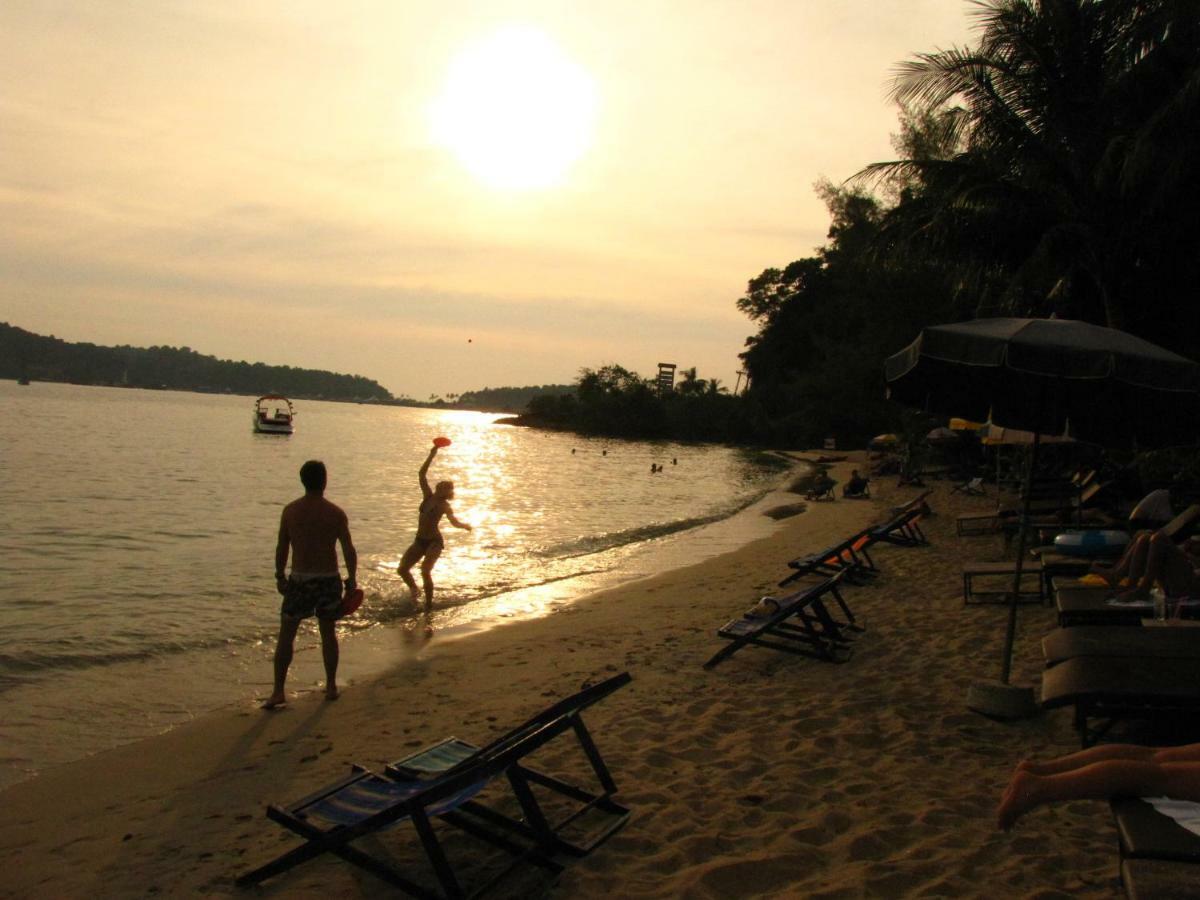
(273, 414)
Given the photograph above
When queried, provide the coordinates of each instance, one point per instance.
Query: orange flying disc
(441, 442)
(351, 602)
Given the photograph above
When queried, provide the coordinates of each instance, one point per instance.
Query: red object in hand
(441, 442)
(351, 602)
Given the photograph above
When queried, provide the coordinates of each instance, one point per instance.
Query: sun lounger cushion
(1061, 644)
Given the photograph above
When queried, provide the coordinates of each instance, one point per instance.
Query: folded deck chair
(903, 529)
(1166, 642)
(849, 557)
(799, 623)
(441, 783)
(1110, 690)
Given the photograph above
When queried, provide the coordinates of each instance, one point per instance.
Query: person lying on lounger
(1100, 773)
(1151, 558)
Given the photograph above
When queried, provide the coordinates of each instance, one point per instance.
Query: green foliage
(509, 399)
(27, 355)
(616, 401)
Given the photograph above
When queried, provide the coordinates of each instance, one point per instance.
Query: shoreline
(147, 696)
(772, 775)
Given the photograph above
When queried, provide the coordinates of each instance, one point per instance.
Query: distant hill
(509, 399)
(24, 354)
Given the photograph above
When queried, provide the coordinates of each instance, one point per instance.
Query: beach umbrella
(1045, 376)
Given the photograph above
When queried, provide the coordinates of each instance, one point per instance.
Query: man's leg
(431, 557)
(329, 653)
(1132, 560)
(283, 659)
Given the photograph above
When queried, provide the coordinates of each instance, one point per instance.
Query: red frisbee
(351, 602)
(441, 442)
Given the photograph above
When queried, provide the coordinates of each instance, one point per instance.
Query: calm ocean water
(137, 541)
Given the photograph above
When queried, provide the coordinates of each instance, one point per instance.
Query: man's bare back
(313, 526)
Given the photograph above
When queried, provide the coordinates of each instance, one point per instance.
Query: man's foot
(331, 692)
(275, 701)
(1020, 797)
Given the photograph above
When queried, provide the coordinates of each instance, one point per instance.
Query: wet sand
(772, 775)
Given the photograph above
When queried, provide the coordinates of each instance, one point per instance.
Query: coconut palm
(1069, 173)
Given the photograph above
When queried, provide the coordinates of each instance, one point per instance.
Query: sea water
(138, 532)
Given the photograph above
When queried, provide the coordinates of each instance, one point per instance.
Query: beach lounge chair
(1160, 858)
(799, 623)
(999, 578)
(1107, 690)
(860, 491)
(849, 557)
(442, 783)
(1172, 641)
(1097, 606)
(821, 489)
(903, 529)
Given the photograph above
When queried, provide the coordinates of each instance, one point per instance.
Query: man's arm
(281, 552)
(349, 554)
(424, 470)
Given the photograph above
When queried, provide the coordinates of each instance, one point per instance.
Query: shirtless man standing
(311, 527)
(428, 542)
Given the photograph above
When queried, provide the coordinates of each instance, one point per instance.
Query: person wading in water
(428, 544)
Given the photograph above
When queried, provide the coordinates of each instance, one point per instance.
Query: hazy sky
(297, 182)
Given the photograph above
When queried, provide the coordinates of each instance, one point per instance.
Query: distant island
(25, 355)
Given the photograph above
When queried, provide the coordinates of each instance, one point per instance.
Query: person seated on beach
(1101, 773)
(310, 528)
(428, 544)
(856, 486)
(1153, 558)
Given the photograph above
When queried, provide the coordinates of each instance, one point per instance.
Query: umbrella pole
(1014, 597)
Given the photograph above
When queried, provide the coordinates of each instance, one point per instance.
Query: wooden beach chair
(799, 623)
(903, 529)
(441, 784)
(999, 577)
(1107, 690)
(848, 557)
(1160, 858)
(1166, 641)
(1083, 605)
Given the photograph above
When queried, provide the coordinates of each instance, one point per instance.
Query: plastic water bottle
(1160, 603)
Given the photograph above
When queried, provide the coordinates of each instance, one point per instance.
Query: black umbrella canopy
(1044, 375)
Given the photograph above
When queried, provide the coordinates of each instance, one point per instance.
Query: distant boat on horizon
(270, 417)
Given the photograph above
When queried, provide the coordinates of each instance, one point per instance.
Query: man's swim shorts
(320, 596)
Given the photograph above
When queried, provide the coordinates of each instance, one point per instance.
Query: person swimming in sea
(428, 544)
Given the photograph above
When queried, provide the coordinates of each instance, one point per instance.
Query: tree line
(1051, 168)
(24, 354)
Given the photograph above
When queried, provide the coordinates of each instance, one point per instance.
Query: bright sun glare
(515, 110)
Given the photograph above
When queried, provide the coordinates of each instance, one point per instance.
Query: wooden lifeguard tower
(666, 377)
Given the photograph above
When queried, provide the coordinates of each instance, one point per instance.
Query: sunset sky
(440, 196)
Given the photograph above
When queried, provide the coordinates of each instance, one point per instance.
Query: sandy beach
(772, 775)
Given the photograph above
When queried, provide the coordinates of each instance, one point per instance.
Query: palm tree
(689, 383)
(1069, 166)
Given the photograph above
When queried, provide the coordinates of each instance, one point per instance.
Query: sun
(516, 111)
